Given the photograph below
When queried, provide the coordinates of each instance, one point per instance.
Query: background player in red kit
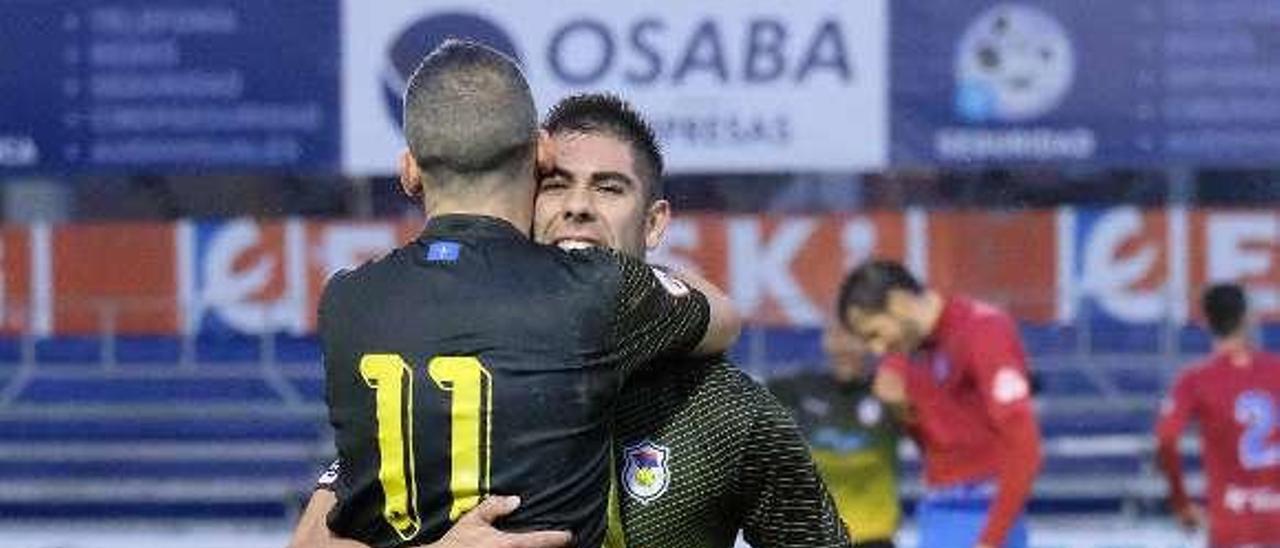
(1233, 395)
(956, 371)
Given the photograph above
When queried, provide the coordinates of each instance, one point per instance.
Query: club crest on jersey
(645, 474)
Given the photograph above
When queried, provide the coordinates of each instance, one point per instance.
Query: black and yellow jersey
(703, 451)
(854, 441)
(474, 361)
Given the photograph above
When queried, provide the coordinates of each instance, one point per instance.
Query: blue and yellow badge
(443, 251)
(645, 474)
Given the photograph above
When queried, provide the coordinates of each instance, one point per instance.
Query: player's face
(882, 332)
(844, 352)
(593, 197)
(893, 330)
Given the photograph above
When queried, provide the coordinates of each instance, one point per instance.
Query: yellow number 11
(470, 385)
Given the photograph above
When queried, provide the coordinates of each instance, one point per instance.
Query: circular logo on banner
(1014, 63)
(423, 35)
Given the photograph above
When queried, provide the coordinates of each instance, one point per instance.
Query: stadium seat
(1042, 339)
(10, 351)
(145, 349)
(297, 348)
(1094, 423)
(1270, 335)
(165, 511)
(1066, 383)
(68, 350)
(1140, 380)
(162, 470)
(139, 428)
(311, 389)
(228, 349)
(147, 391)
(1193, 339)
(1117, 338)
(791, 346)
(256, 436)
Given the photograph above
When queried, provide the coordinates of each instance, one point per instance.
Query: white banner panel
(729, 85)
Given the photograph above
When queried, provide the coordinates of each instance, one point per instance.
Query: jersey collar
(463, 226)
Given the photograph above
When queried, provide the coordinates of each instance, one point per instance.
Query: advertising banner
(728, 86)
(168, 86)
(1090, 266)
(1139, 83)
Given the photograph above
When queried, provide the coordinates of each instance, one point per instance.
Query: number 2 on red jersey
(1256, 411)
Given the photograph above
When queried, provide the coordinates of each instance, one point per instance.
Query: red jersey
(1233, 396)
(971, 411)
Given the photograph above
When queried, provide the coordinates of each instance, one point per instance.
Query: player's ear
(656, 219)
(410, 175)
(546, 153)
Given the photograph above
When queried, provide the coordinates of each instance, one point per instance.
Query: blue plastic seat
(128, 390)
(124, 429)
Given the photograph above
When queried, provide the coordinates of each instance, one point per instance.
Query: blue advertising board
(175, 85)
(92, 86)
(1135, 83)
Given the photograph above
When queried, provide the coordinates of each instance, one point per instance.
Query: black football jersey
(474, 361)
(703, 451)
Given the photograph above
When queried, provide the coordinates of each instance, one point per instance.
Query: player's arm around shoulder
(725, 323)
(313, 530)
(659, 313)
(474, 530)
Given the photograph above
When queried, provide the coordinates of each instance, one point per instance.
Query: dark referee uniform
(475, 361)
(703, 451)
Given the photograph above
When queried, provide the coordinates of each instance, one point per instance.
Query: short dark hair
(614, 116)
(1224, 307)
(468, 112)
(867, 287)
